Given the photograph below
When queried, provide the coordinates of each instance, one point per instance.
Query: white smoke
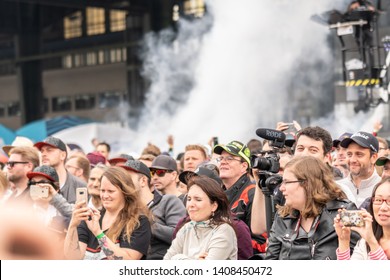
(237, 76)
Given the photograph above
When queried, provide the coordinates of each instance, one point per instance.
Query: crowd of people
(327, 199)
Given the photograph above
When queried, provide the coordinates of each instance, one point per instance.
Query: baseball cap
(235, 148)
(46, 171)
(120, 158)
(164, 162)
(363, 139)
(53, 142)
(137, 166)
(337, 141)
(95, 158)
(382, 160)
(18, 142)
(185, 176)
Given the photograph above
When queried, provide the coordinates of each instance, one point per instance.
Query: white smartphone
(39, 191)
(82, 195)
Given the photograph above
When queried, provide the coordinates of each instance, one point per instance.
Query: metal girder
(79, 4)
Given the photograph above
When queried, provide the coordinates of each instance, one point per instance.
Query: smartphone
(82, 195)
(39, 191)
(352, 218)
(291, 128)
(215, 141)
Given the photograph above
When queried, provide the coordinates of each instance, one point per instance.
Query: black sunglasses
(30, 183)
(12, 163)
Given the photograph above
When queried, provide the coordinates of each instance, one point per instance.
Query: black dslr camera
(268, 167)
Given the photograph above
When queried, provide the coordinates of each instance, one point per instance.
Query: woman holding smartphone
(303, 226)
(375, 232)
(120, 231)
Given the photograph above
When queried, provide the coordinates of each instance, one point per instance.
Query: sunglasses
(30, 183)
(12, 163)
(160, 172)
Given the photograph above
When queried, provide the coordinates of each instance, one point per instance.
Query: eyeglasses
(228, 159)
(71, 166)
(160, 172)
(12, 163)
(379, 201)
(285, 182)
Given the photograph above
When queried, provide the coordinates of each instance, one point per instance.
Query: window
(67, 61)
(72, 25)
(85, 101)
(46, 105)
(117, 20)
(14, 109)
(109, 99)
(91, 58)
(194, 7)
(116, 55)
(2, 110)
(95, 21)
(63, 103)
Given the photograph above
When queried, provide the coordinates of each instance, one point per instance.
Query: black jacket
(321, 243)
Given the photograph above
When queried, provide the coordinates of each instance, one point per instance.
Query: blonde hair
(151, 149)
(195, 147)
(29, 154)
(4, 184)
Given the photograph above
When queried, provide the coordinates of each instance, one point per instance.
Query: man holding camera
(234, 165)
(310, 141)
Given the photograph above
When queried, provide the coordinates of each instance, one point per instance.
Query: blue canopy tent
(7, 135)
(39, 130)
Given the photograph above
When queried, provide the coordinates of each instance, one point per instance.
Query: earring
(212, 214)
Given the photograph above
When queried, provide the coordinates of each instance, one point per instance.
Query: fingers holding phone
(93, 221)
(80, 213)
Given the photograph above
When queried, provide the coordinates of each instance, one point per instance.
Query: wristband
(99, 236)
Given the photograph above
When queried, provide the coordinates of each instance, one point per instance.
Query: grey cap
(363, 139)
(185, 176)
(120, 158)
(45, 171)
(53, 142)
(164, 162)
(137, 166)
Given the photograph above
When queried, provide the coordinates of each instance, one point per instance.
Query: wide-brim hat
(19, 141)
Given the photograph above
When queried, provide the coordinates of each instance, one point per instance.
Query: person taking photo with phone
(42, 181)
(303, 226)
(120, 231)
(375, 232)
